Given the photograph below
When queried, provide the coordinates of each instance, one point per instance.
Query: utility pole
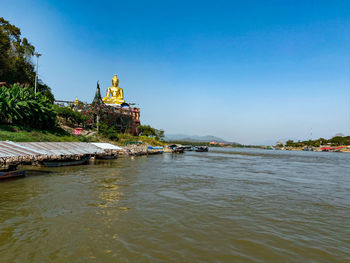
(36, 74)
(98, 123)
(311, 134)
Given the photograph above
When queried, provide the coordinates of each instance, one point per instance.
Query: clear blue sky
(247, 71)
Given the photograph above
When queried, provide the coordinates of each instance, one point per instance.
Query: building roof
(62, 148)
(11, 149)
(106, 146)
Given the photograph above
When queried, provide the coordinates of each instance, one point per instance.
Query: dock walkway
(14, 153)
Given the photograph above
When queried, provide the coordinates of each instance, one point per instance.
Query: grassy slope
(22, 134)
(123, 138)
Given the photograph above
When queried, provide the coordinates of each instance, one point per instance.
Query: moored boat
(201, 148)
(106, 157)
(308, 149)
(327, 149)
(62, 163)
(268, 148)
(188, 148)
(155, 148)
(176, 148)
(9, 173)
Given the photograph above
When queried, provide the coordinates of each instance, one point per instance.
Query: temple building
(111, 110)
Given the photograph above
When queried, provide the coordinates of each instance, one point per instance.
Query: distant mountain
(195, 138)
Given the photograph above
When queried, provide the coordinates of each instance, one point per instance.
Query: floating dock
(12, 153)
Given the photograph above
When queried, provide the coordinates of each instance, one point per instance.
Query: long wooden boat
(84, 160)
(189, 148)
(178, 150)
(10, 174)
(155, 148)
(106, 157)
(202, 148)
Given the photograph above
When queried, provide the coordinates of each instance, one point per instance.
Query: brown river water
(227, 205)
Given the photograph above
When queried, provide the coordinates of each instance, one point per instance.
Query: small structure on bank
(111, 110)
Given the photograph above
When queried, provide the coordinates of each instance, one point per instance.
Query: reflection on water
(227, 205)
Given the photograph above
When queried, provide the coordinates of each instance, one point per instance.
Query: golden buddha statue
(76, 102)
(114, 94)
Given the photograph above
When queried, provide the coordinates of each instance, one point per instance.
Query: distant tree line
(335, 141)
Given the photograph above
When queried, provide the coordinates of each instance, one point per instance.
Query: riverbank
(341, 148)
(13, 154)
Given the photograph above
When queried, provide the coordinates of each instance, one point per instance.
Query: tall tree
(15, 58)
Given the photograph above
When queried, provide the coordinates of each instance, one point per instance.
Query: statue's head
(115, 81)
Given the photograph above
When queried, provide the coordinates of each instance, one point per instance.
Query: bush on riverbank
(22, 106)
(27, 134)
(148, 131)
(110, 133)
(124, 138)
(70, 116)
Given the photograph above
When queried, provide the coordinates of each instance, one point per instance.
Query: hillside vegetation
(26, 115)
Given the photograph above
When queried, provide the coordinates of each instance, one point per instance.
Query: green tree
(148, 131)
(109, 131)
(160, 134)
(15, 55)
(340, 140)
(290, 143)
(15, 59)
(71, 116)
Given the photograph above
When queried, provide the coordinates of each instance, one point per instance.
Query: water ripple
(228, 205)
